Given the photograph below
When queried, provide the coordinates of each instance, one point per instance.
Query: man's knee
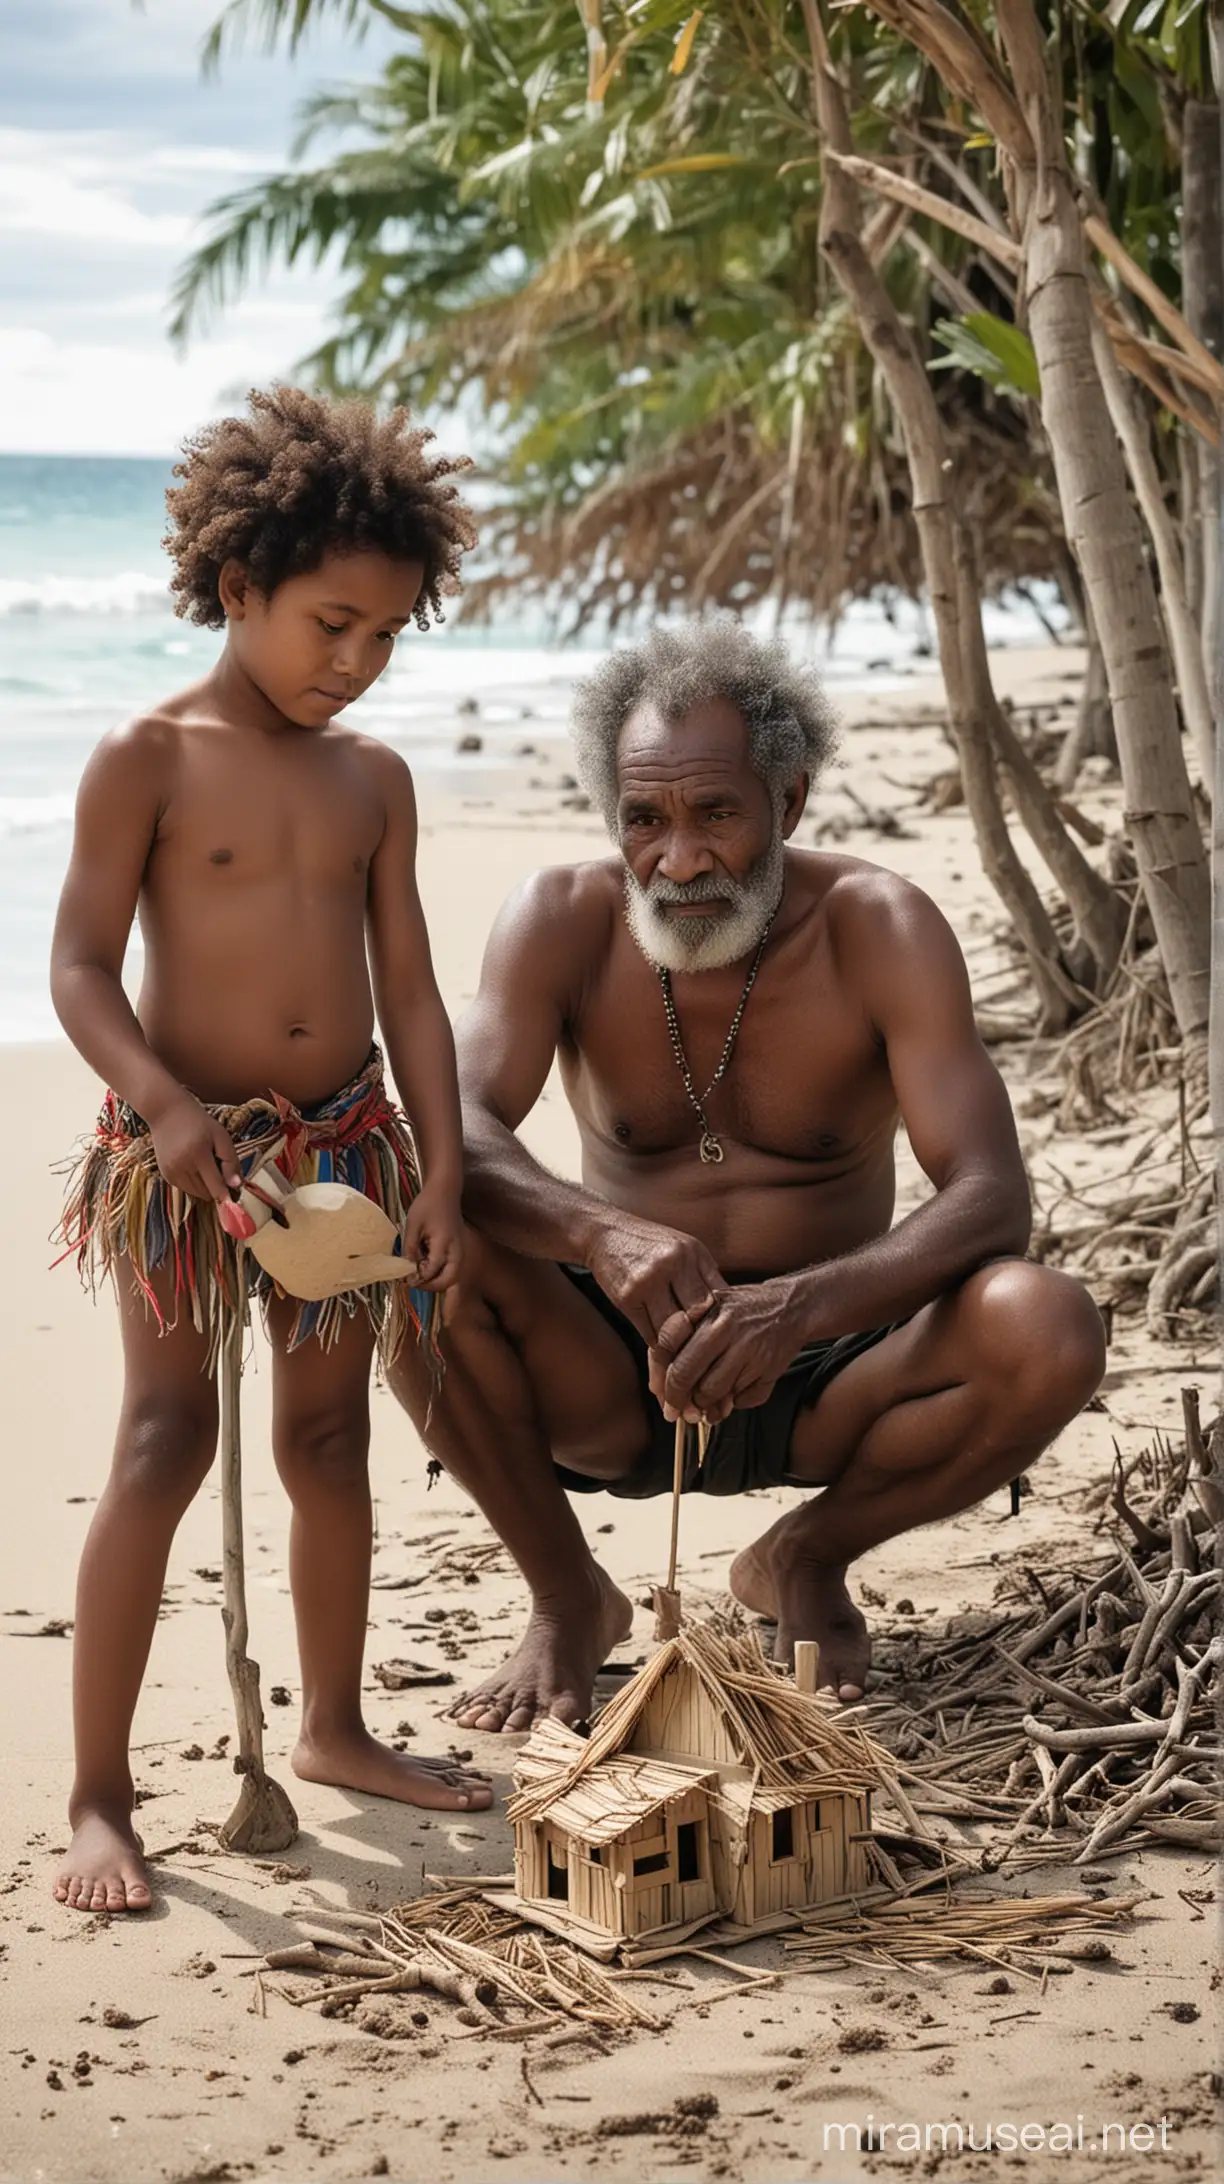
(1039, 1330)
(167, 1442)
(322, 1451)
(486, 1284)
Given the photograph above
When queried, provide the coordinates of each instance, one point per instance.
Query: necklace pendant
(710, 1149)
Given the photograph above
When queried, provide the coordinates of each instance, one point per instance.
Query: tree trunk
(1203, 303)
(1099, 913)
(1190, 515)
(1215, 1042)
(947, 556)
(1105, 534)
(1091, 735)
(1185, 641)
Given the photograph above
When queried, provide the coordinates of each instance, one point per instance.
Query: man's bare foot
(355, 1760)
(779, 1576)
(554, 1669)
(103, 1869)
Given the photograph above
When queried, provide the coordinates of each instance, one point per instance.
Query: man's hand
(194, 1153)
(433, 1236)
(658, 1277)
(732, 1359)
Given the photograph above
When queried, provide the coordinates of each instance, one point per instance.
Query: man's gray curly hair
(792, 728)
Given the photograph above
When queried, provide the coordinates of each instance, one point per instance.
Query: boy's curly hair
(299, 477)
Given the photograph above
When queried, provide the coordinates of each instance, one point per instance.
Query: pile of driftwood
(1083, 1710)
(506, 1979)
(509, 1981)
(1144, 1238)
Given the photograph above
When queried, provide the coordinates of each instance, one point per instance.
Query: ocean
(87, 638)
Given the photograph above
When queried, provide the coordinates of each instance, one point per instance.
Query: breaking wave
(131, 592)
(34, 814)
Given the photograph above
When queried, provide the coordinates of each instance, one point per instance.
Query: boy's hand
(433, 1237)
(194, 1153)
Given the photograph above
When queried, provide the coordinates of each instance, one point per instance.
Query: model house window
(595, 1855)
(783, 1834)
(656, 1861)
(558, 1878)
(688, 1852)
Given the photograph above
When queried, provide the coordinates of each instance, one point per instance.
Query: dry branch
(1117, 1668)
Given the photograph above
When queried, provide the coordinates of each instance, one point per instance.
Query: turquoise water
(87, 638)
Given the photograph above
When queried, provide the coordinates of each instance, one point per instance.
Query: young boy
(267, 849)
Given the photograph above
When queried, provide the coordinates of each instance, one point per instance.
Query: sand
(196, 2086)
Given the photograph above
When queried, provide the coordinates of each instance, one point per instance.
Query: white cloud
(218, 159)
(111, 152)
(71, 195)
(138, 397)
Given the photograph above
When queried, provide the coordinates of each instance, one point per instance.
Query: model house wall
(663, 1822)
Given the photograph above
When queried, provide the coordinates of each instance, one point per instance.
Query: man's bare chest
(806, 1078)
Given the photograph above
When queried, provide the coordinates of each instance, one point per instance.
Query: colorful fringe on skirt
(118, 1208)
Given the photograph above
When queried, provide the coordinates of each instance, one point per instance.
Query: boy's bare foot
(103, 1869)
(355, 1760)
(781, 1576)
(554, 1669)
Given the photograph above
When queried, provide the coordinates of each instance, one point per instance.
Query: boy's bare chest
(315, 818)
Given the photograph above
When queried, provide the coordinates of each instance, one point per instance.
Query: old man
(740, 1026)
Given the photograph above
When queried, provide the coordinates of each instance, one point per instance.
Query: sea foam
(34, 814)
(132, 591)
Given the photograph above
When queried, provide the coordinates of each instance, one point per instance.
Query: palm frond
(268, 21)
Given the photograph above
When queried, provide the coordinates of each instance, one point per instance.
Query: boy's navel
(220, 856)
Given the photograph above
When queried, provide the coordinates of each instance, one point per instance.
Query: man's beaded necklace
(710, 1147)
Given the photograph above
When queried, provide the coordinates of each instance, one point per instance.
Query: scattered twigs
(992, 1929)
(507, 1980)
(1142, 1237)
(1085, 1710)
(1203, 1459)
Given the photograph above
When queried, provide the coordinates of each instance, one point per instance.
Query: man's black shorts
(750, 1448)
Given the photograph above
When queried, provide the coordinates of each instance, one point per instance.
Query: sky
(112, 146)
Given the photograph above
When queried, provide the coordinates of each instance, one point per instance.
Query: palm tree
(613, 238)
(637, 301)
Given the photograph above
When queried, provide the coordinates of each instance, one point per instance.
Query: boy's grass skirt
(120, 1210)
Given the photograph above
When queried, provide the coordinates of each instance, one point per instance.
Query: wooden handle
(807, 1664)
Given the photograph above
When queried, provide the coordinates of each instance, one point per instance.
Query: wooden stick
(677, 1489)
(807, 1664)
(263, 1818)
(666, 1598)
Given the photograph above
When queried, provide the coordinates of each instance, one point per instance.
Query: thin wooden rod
(677, 1488)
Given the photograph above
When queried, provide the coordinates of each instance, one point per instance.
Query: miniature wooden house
(710, 1787)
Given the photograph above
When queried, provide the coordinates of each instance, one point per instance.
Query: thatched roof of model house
(793, 1743)
(607, 1799)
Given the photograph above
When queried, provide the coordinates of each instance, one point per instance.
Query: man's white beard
(705, 944)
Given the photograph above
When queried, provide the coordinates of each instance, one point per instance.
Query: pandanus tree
(705, 336)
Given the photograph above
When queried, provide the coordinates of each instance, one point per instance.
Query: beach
(186, 2080)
